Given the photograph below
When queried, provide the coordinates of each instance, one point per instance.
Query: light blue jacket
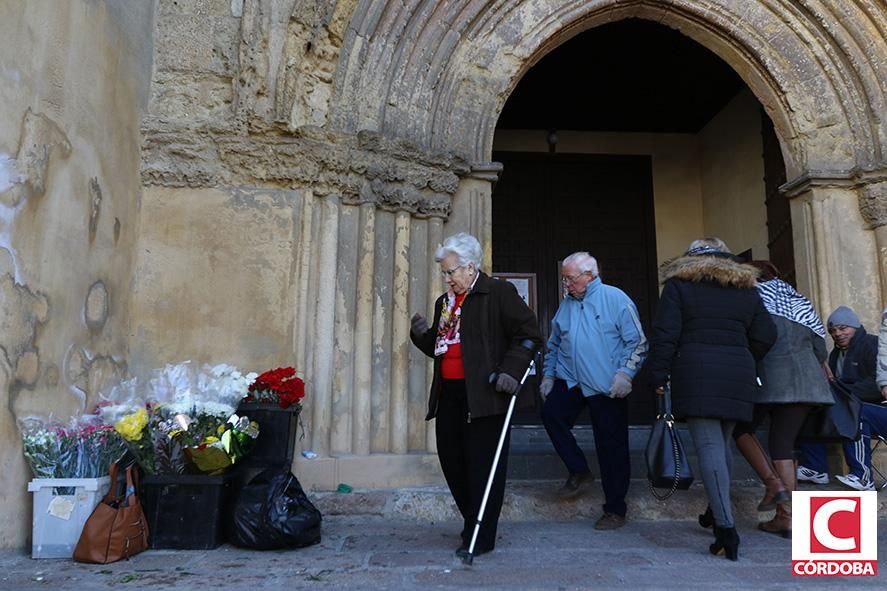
(593, 338)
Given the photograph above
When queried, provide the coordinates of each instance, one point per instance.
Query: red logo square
(835, 525)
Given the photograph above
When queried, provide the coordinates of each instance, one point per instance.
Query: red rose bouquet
(280, 386)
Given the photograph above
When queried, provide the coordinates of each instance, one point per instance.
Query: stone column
(472, 213)
(363, 332)
(421, 283)
(873, 205)
(435, 238)
(344, 356)
(300, 286)
(834, 252)
(324, 318)
(383, 280)
(400, 334)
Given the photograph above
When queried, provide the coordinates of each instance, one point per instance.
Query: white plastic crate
(61, 507)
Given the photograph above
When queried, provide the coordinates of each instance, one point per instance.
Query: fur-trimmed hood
(722, 270)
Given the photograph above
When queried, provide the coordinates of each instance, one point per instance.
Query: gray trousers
(711, 437)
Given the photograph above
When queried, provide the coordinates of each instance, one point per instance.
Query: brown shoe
(576, 485)
(610, 521)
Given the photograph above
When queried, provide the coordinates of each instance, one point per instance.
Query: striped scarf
(781, 299)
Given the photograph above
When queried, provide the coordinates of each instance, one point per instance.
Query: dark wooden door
(779, 216)
(546, 206)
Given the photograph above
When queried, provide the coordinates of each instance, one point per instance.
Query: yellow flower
(130, 427)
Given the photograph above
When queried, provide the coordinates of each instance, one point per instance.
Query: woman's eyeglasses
(451, 272)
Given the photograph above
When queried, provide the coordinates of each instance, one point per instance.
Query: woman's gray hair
(707, 246)
(583, 261)
(465, 246)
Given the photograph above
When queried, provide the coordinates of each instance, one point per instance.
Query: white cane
(469, 558)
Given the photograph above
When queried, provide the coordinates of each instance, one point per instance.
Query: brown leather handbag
(117, 528)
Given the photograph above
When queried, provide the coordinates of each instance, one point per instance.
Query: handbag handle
(663, 405)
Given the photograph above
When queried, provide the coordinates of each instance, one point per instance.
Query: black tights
(785, 424)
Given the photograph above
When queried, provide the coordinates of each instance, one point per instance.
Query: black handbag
(836, 422)
(667, 465)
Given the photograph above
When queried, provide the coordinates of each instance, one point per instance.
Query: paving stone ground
(372, 552)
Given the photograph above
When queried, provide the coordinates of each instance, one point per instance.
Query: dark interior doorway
(547, 206)
(626, 76)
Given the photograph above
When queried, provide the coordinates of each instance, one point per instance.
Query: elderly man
(596, 347)
(852, 363)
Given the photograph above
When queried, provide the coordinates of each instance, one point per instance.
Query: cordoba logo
(834, 534)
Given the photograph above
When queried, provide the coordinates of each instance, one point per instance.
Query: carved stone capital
(873, 203)
(363, 168)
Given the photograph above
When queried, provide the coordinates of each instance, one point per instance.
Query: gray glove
(418, 324)
(620, 386)
(546, 386)
(506, 384)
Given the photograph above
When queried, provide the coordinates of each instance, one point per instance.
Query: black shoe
(707, 519)
(576, 485)
(462, 551)
(726, 540)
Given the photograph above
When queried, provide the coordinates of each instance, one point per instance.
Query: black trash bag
(273, 512)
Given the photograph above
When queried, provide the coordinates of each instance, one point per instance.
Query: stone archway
(440, 75)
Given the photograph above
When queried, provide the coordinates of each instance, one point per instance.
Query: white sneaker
(854, 481)
(808, 475)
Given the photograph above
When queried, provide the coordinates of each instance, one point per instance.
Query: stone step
(532, 457)
(533, 500)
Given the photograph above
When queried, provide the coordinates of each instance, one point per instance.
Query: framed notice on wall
(525, 284)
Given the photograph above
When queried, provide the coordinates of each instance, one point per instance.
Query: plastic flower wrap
(233, 440)
(82, 448)
(124, 407)
(279, 386)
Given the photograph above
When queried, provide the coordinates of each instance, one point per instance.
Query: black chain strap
(677, 463)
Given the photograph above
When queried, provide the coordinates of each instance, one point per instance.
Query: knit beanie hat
(844, 316)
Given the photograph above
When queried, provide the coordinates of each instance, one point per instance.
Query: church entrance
(629, 141)
(547, 206)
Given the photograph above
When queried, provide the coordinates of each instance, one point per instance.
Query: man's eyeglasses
(567, 279)
(451, 272)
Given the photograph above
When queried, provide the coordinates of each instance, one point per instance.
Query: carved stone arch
(439, 73)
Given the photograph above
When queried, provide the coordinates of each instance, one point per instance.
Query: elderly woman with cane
(481, 327)
(711, 329)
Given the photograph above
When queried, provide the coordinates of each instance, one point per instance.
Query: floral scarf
(448, 329)
(450, 324)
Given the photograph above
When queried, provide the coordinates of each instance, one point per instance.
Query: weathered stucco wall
(74, 78)
(213, 279)
(732, 176)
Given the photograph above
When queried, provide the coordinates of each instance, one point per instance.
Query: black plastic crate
(185, 512)
(277, 433)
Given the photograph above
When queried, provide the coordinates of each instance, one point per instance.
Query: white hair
(465, 246)
(583, 261)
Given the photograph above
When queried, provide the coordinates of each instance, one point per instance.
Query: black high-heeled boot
(726, 540)
(707, 519)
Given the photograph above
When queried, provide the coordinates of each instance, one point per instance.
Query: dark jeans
(609, 420)
(466, 453)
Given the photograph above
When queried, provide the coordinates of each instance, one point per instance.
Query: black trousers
(466, 453)
(609, 421)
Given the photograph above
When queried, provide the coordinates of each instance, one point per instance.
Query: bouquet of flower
(279, 386)
(182, 413)
(84, 448)
(233, 440)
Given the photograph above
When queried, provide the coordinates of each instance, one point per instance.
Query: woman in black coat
(710, 330)
(481, 326)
